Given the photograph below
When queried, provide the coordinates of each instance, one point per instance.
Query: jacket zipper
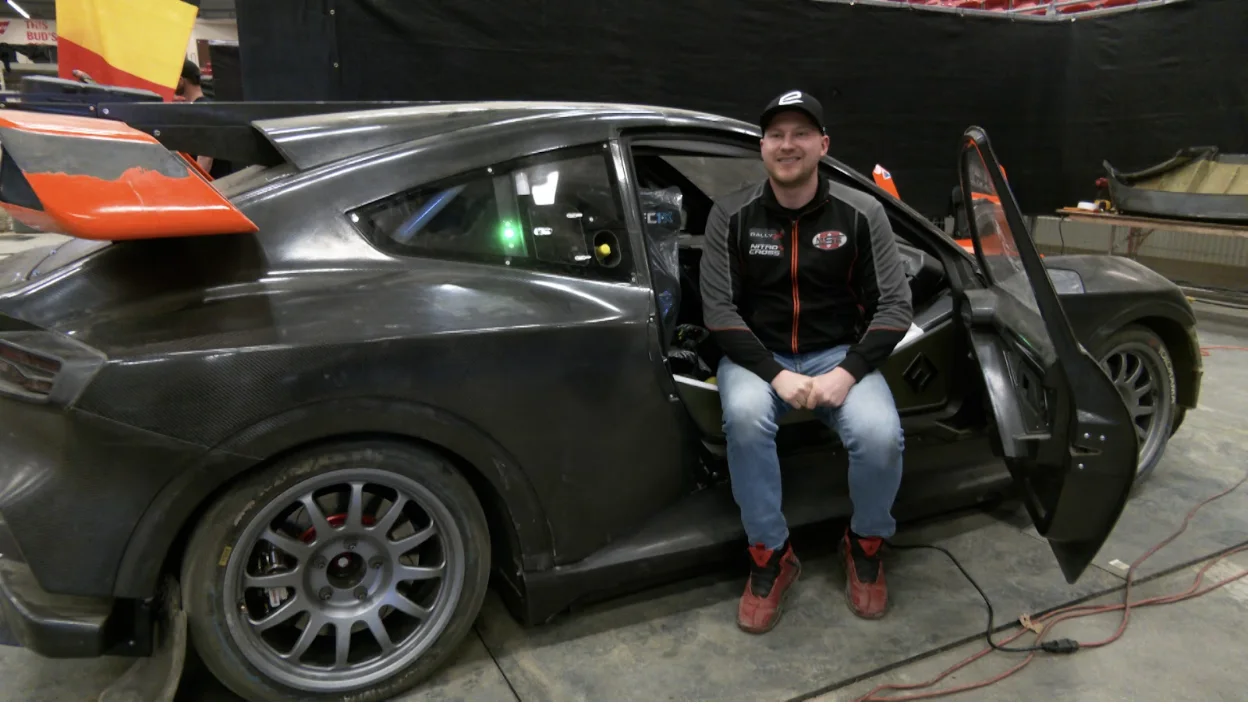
(797, 301)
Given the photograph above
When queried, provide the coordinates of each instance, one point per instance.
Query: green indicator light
(509, 233)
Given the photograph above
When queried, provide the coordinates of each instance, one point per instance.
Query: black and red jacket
(798, 281)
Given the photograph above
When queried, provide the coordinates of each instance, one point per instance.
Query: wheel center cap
(345, 570)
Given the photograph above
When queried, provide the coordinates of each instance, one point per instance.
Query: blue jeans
(867, 424)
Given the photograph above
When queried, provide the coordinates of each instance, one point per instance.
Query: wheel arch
(515, 517)
(1183, 354)
(1183, 348)
(1096, 321)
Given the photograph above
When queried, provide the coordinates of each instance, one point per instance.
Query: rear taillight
(24, 372)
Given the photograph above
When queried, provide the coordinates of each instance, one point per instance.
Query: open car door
(1066, 434)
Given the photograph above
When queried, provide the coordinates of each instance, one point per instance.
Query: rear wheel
(1141, 368)
(345, 572)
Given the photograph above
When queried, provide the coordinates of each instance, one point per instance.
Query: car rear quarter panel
(544, 383)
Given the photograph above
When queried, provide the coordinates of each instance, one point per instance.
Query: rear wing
(221, 130)
(98, 179)
(103, 162)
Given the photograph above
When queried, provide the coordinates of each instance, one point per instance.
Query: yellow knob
(604, 250)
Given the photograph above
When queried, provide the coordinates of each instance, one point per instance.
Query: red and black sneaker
(865, 588)
(772, 572)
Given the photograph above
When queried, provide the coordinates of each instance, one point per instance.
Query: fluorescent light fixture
(19, 9)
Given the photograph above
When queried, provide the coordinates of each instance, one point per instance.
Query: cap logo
(791, 98)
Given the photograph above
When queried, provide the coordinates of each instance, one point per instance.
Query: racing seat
(662, 220)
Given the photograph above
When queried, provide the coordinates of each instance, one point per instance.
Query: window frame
(921, 232)
(501, 175)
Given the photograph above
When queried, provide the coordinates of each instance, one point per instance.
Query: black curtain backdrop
(227, 72)
(899, 86)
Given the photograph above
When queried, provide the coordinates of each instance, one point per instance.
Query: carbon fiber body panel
(74, 487)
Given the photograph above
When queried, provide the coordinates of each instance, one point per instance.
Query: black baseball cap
(793, 100)
(190, 71)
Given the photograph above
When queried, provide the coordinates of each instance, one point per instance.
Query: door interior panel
(1065, 433)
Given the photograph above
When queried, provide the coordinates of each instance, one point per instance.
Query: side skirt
(703, 531)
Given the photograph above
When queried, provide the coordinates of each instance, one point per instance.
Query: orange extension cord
(1204, 351)
(1043, 624)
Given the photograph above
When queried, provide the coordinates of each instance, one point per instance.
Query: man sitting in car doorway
(805, 292)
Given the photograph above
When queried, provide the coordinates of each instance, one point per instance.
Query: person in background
(190, 90)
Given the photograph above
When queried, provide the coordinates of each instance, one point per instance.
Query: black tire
(1179, 414)
(215, 543)
(1146, 346)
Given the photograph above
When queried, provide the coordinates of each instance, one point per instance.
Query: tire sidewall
(1138, 333)
(215, 539)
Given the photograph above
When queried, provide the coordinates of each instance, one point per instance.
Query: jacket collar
(821, 197)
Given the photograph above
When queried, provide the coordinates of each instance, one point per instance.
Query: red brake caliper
(278, 594)
(334, 521)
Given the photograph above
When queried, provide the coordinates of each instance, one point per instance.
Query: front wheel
(1140, 366)
(349, 572)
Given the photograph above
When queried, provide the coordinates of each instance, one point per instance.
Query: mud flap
(155, 678)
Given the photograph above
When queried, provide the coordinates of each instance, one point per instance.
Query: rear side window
(554, 213)
(454, 218)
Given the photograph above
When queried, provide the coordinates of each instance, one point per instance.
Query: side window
(718, 176)
(701, 178)
(457, 218)
(560, 212)
(570, 210)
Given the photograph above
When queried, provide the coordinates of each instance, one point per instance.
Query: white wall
(223, 30)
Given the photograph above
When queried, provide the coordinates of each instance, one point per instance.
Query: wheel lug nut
(361, 593)
(326, 593)
(376, 564)
(319, 563)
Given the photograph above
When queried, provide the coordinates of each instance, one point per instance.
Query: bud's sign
(37, 32)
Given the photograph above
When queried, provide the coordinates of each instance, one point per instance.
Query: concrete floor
(680, 642)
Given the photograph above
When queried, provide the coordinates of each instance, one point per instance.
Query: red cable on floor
(1204, 351)
(1051, 619)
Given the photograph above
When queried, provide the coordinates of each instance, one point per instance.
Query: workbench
(1139, 227)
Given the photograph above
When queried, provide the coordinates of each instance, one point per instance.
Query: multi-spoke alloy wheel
(1139, 364)
(350, 572)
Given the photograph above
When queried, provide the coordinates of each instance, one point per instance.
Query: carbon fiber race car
(409, 350)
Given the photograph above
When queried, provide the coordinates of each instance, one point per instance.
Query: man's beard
(799, 178)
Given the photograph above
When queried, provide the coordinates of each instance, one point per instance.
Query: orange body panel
(155, 193)
(139, 205)
(72, 126)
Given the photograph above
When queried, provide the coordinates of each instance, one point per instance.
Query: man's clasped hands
(801, 391)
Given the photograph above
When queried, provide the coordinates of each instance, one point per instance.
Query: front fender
(1096, 317)
(180, 500)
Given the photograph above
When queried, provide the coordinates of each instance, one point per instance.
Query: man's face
(792, 147)
(181, 89)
